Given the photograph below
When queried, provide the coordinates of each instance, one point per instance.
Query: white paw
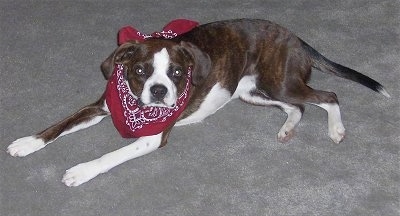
(81, 173)
(285, 135)
(24, 146)
(337, 133)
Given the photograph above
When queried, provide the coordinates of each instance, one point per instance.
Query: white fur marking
(161, 61)
(293, 118)
(245, 85)
(82, 125)
(105, 106)
(336, 128)
(383, 91)
(25, 146)
(83, 172)
(215, 100)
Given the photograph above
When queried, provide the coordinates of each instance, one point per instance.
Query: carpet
(231, 163)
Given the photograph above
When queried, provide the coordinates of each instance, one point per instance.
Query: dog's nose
(158, 91)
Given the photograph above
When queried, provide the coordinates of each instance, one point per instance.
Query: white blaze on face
(161, 61)
(159, 77)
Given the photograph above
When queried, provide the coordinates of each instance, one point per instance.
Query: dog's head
(156, 70)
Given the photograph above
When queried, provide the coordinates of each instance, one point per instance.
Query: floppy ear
(120, 55)
(201, 64)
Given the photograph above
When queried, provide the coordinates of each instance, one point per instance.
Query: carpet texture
(230, 164)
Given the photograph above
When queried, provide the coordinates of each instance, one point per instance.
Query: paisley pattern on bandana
(171, 30)
(137, 117)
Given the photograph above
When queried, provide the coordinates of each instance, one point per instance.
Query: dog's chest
(217, 98)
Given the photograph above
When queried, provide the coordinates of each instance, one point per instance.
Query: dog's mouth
(155, 103)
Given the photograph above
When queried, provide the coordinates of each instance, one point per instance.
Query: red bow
(171, 30)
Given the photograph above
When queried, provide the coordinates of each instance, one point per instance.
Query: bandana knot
(171, 30)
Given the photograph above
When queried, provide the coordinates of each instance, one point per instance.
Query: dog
(257, 61)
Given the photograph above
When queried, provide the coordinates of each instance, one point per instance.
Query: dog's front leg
(83, 172)
(85, 117)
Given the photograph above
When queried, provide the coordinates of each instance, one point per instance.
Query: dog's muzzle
(158, 92)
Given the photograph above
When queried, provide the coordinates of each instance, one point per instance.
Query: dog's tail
(325, 65)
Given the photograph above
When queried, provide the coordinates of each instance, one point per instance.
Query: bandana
(171, 30)
(130, 119)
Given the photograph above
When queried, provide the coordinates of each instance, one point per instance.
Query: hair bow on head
(171, 30)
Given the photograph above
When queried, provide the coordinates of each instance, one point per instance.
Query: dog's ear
(201, 62)
(120, 55)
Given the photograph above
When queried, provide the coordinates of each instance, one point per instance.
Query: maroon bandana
(130, 119)
(171, 30)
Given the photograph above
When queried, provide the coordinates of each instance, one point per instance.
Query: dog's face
(157, 70)
(156, 74)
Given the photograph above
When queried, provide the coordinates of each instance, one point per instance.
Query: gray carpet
(231, 164)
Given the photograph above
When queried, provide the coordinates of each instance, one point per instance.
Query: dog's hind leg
(294, 112)
(291, 87)
(325, 100)
(336, 128)
(85, 117)
(329, 102)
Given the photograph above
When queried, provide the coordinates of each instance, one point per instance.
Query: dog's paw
(25, 146)
(284, 135)
(337, 133)
(81, 173)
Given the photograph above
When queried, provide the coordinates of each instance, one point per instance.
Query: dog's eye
(177, 73)
(139, 70)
